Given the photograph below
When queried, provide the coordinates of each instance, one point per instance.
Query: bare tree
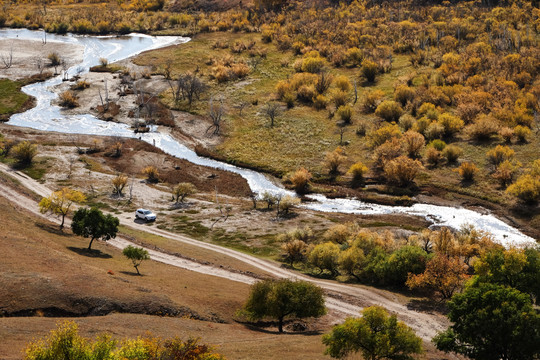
(40, 65)
(241, 106)
(104, 101)
(167, 68)
(7, 59)
(272, 110)
(187, 87)
(355, 93)
(215, 112)
(65, 67)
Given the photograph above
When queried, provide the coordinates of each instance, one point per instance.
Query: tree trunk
(90, 245)
(280, 324)
(62, 223)
(137, 268)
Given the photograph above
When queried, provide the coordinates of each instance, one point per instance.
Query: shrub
(339, 98)
(68, 100)
(506, 171)
(389, 111)
(522, 133)
(483, 128)
(369, 70)
(507, 134)
(402, 170)
(422, 124)
(499, 154)
(406, 122)
(372, 100)
(357, 171)
(240, 70)
(404, 94)
(437, 144)
(24, 152)
(413, 143)
(343, 83)
(428, 110)
(320, 102)
(382, 134)
(526, 188)
(391, 149)
(306, 93)
(300, 180)
(345, 113)
(434, 131)
(451, 124)
(452, 153)
(282, 88)
(467, 171)
(313, 65)
(433, 156)
(334, 159)
(151, 173)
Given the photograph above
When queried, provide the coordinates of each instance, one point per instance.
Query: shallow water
(49, 117)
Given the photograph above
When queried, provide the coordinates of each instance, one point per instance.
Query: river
(45, 116)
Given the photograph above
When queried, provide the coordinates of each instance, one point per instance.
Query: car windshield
(147, 212)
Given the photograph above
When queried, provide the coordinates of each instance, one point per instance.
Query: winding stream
(45, 116)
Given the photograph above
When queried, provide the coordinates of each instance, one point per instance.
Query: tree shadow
(50, 228)
(90, 253)
(428, 305)
(261, 326)
(131, 273)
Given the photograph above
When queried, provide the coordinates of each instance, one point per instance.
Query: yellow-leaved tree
(60, 202)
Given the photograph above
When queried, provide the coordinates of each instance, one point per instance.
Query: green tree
(137, 255)
(284, 298)
(492, 322)
(94, 224)
(516, 268)
(376, 335)
(60, 202)
(404, 261)
(325, 257)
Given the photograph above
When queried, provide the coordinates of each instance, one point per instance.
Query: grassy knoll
(62, 277)
(12, 99)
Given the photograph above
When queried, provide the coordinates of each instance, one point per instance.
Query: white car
(144, 214)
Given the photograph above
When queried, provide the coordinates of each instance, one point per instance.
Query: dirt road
(345, 299)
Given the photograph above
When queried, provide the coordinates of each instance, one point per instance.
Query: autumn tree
(24, 152)
(60, 202)
(352, 261)
(137, 255)
(443, 275)
(182, 191)
(357, 171)
(402, 170)
(280, 299)
(93, 224)
(152, 173)
(491, 322)
(325, 257)
(300, 180)
(376, 335)
(294, 251)
(118, 183)
(334, 159)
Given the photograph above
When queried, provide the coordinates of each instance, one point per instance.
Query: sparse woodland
(377, 100)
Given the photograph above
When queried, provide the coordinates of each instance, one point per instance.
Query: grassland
(302, 135)
(12, 99)
(65, 279)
